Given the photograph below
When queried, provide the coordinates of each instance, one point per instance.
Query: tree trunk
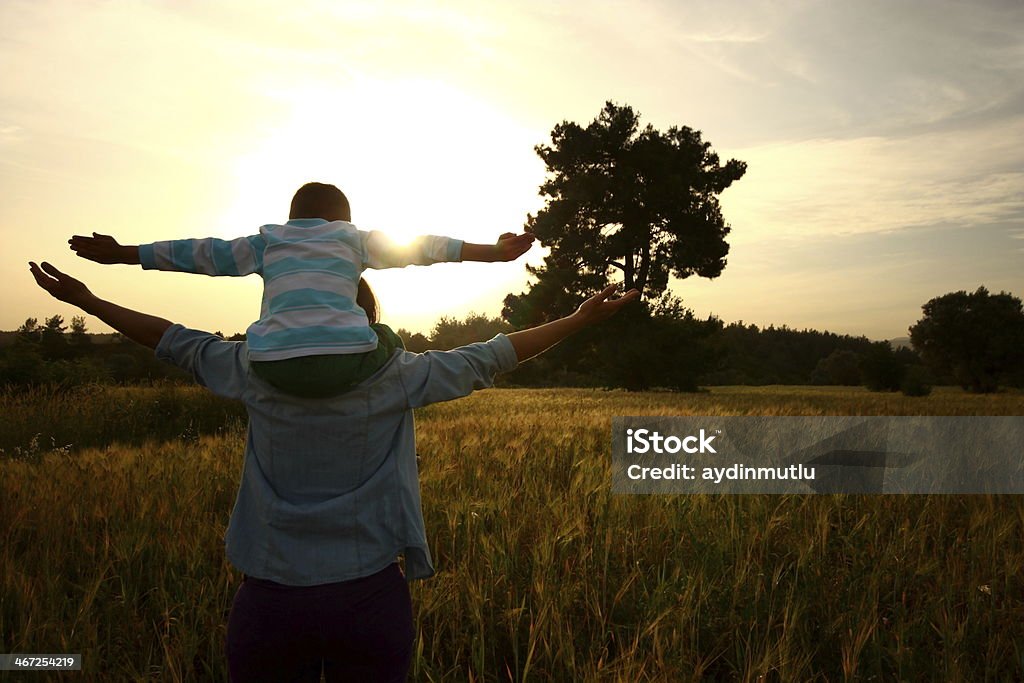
(645, 267)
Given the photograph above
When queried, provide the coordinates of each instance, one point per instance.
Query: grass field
(114, 502)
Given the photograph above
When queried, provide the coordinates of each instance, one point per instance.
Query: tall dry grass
(543, 574)
(53, 418)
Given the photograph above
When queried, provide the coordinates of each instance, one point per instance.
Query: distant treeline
(676, 351)
(55, 353)
(679, 351)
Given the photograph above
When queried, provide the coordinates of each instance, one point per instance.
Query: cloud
(875, 184)
(11, 134)
(790, 71)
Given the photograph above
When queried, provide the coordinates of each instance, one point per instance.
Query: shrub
(916, 381)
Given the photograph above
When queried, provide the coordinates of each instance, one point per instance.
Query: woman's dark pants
(358, 630)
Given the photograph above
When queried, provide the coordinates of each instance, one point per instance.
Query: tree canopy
(620, 199)
(977, 337)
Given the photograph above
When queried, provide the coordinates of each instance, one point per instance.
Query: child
(311, 339)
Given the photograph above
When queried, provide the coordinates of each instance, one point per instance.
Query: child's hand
(510, 246)
(103, 249)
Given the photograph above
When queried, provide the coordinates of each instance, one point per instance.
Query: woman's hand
(60, 285)
(528, 343)
(599, 307)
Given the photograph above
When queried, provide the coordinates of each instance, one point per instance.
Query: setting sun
(414, 157)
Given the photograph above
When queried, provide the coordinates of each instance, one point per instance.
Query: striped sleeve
(206, 256)
(380, 251)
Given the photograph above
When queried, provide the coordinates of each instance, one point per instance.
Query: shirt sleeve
(380, 251)
(206, 256)
(220, 366)
(437, 376)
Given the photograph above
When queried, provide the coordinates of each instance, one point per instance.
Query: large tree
(638, 203)
(978, 338)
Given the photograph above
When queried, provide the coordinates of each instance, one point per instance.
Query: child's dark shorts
(331, 375)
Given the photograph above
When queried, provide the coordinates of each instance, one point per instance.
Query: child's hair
(319, 200)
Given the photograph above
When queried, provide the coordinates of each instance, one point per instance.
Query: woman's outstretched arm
(444, 375)
(140, 327)
(536, 340)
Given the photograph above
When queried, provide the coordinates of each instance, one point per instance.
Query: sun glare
(414, 157)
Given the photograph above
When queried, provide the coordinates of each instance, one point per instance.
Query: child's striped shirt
(310, 269)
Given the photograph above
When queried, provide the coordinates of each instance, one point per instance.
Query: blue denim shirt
(330, 488)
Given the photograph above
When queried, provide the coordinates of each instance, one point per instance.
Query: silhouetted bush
(917, 381)
(840, 367)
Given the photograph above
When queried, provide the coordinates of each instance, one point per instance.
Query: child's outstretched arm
(509, 247)
(207, 256)
(379, 251)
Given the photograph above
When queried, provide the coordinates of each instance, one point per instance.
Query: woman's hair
(320, 200)
(367, 301)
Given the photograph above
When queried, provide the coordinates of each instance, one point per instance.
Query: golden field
(115, 500)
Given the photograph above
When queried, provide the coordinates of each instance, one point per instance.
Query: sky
(883, 141)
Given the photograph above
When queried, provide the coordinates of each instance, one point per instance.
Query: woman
(329, 496)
